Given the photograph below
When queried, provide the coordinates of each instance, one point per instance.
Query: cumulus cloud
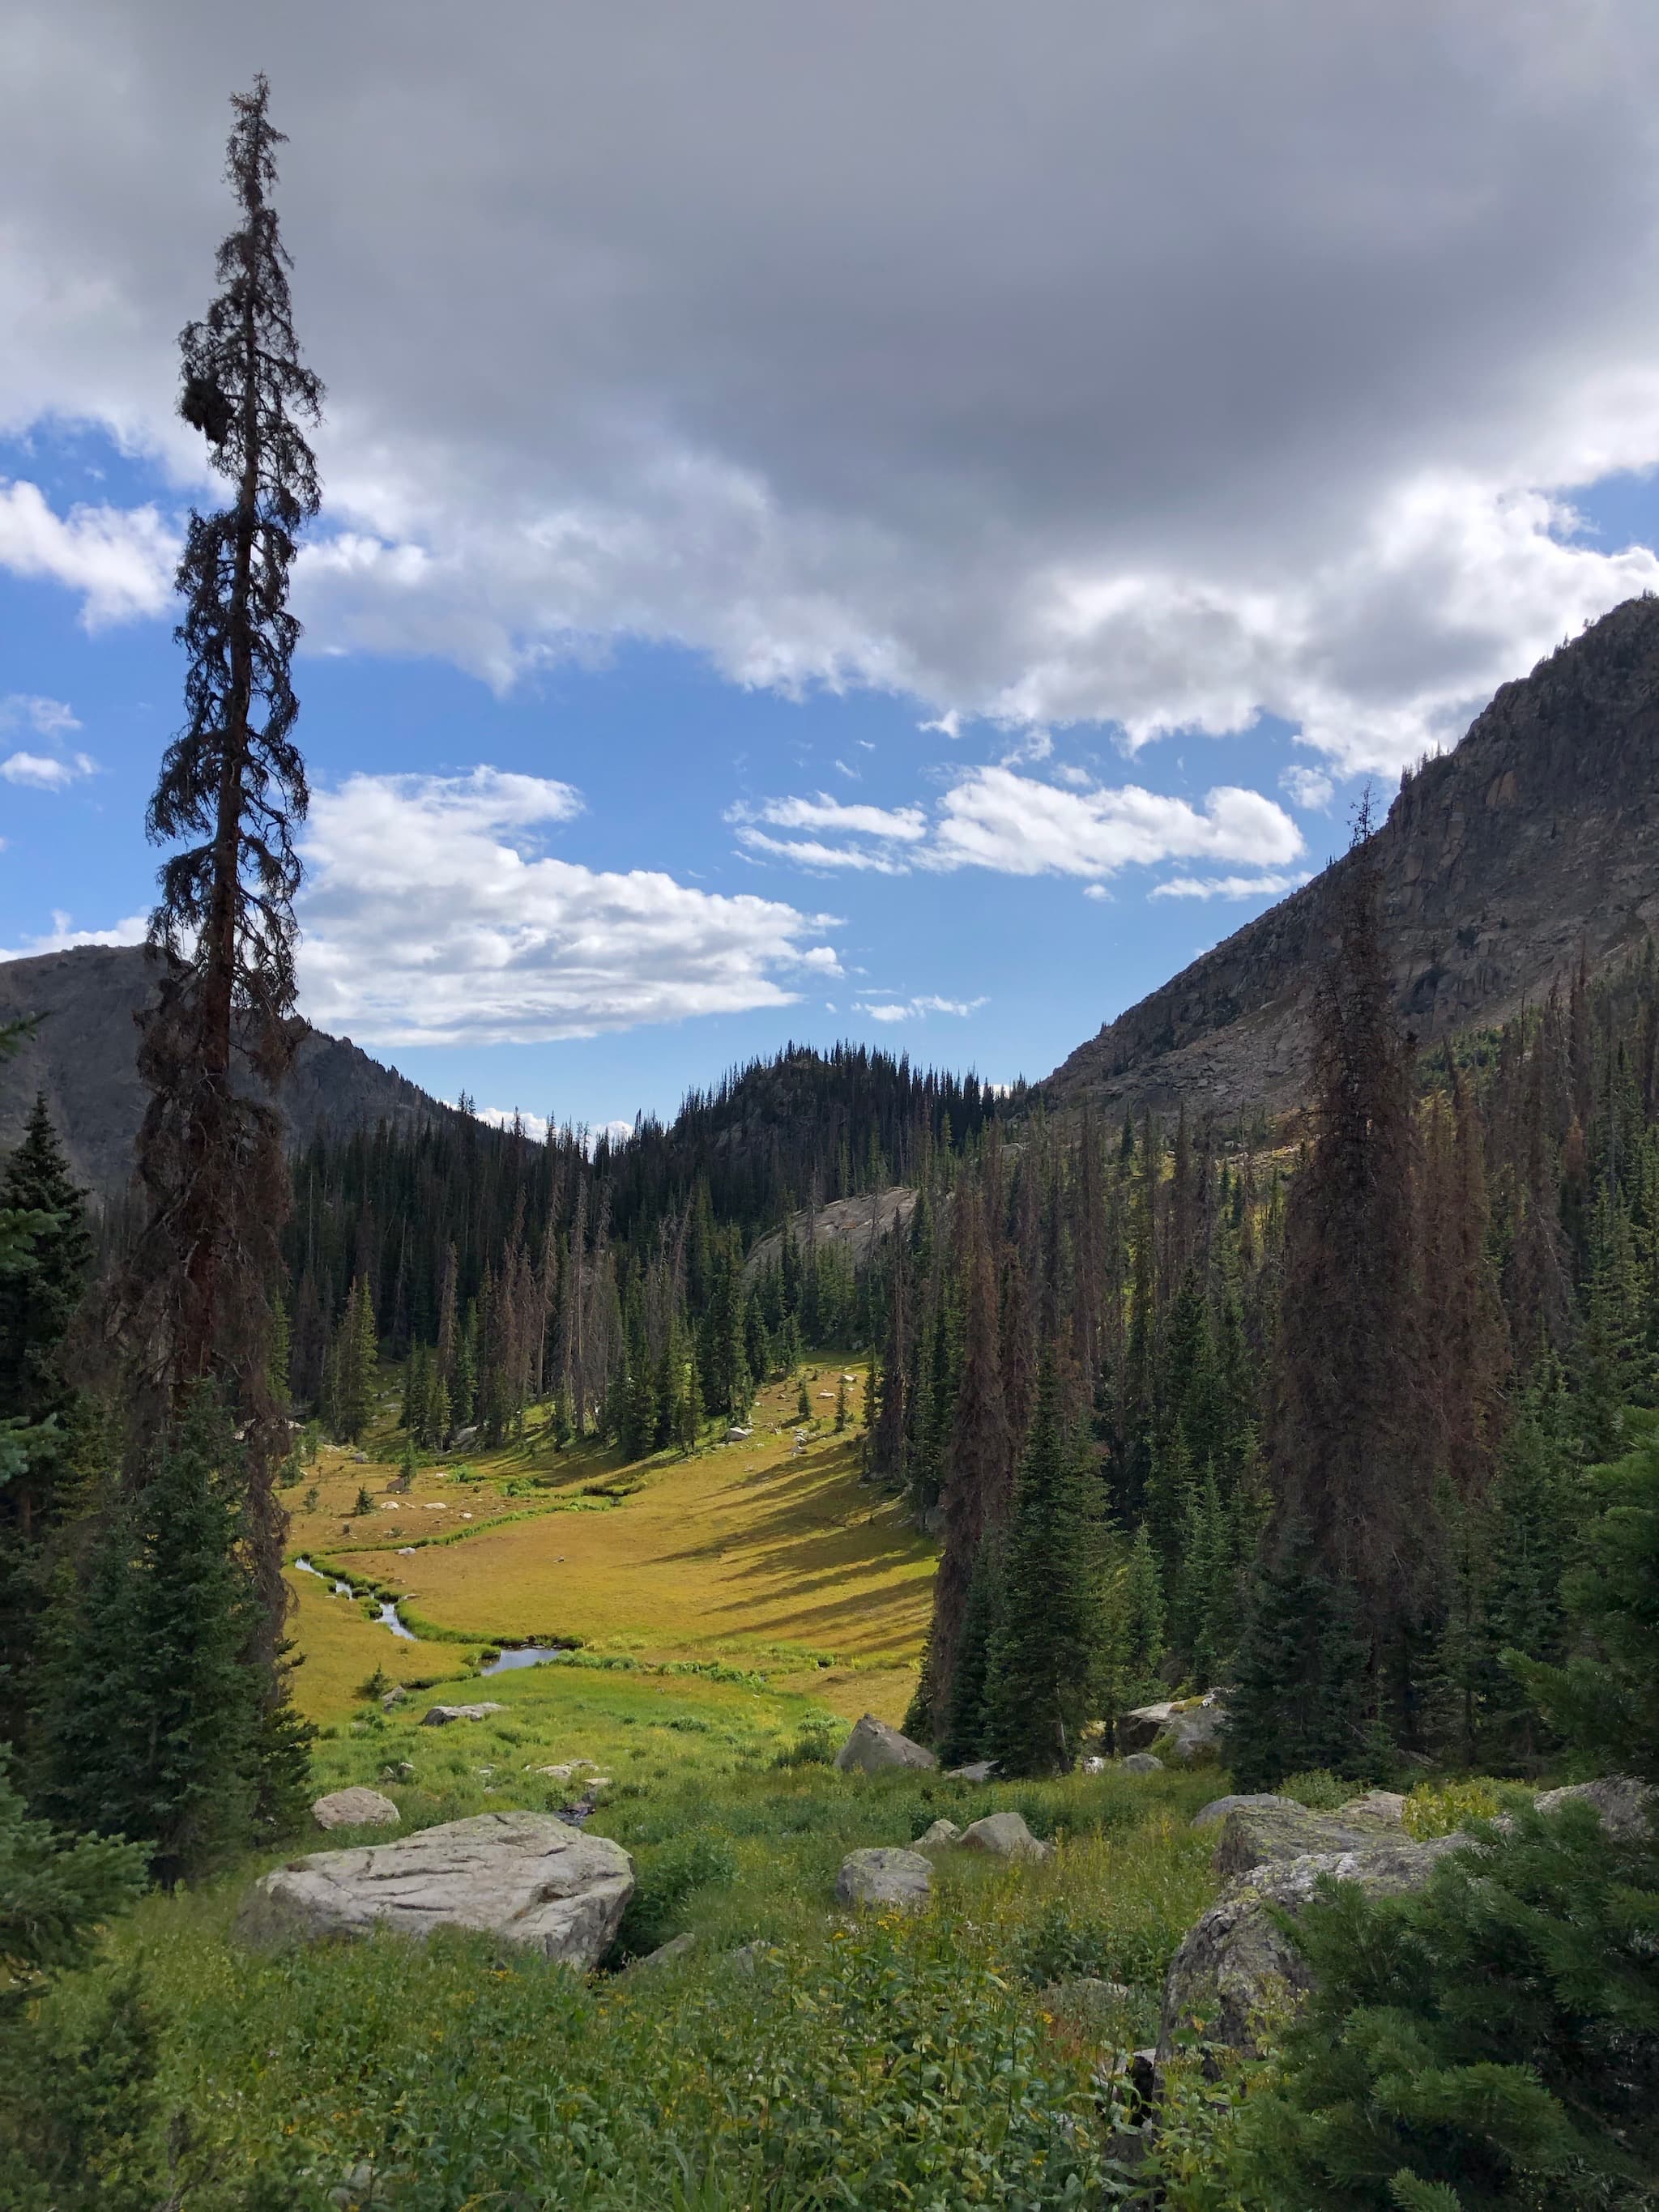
(64, 937)
(431, 916)
(119, 559)
(1228, 887)
(1161, 368)
(44, 772)
(47, 717)
(996, 817)
(1310, 789)
(917, 1008)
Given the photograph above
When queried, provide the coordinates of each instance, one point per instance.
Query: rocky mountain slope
(1535, 842)
(82, 1057)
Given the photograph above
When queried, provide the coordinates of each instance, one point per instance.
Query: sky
(905, 523)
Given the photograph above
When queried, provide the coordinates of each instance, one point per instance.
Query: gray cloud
(1066, 363)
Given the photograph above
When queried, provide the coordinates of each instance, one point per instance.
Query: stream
(528, 1655)
(388, 1615)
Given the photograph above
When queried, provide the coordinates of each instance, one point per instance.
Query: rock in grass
(1191, 1727)
(1263, 1833)
(1236, 1958)
(1387, 1805)
(525, 1877)
(1005, 1836)
(939, 1837)
(665, 1954)
(873, 1747)
(355, 1808)
(977, 1770)
(881, 1876)
(441, 1715)
(1218, 1808)
(1143, 1762)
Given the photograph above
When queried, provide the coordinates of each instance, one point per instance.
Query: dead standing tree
(232, 787)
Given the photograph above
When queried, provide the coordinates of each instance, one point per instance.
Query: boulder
(977, 1770)
(355, 1808)
(401, 1770)
(1627, 1805)
(1218, 1808)
(939, 1837)
(441, 1715)
(1143, 1762)
(1270, 1831)
(873, 1747)
(881, 1876)
(1005, 1836)
(1142, 1728)
(395, 1696)
(1236, 1958)
(665, 1954)
(1386, 1805)
(1193, 1729)
(524, 1877)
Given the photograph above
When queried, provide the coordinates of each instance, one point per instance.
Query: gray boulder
(1236, 1958)
(1218, 1808)
(525, 1877)
(1005, 1836)
(1627, 1805)
(1193, 1730)
(1387, 1806)
(1138, 1729)
(665, 1954)
(355, 1808)
(977, 1770)
(939, 1837)
(1143, 1762)
(882, 1876)
(873, 1747)
(441, 1715)
(1265, 1832)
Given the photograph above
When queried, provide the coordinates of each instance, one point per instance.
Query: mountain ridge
(1530, 846)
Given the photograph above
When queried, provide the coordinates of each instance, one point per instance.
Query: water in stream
(528, 1655)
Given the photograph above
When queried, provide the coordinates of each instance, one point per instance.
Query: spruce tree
(1300, 1699)
(961, 1736)
(1042, 1656)
(153, 1722)
(201, 1282)
(355, 1366)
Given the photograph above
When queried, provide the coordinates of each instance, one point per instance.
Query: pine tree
(356, 1366)
(962, 1735)
(153, 1722)
(840, 1405)
(200, 1283)
(1302, 1688)
(1042, 1657)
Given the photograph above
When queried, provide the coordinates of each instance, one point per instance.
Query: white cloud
(1095, 891)
(963, 400)
(902, 826)
(120, 560)
(918, 1009)
(1228, 887)
(43, 772)
(1308, 787)
(47, 717)
(431, 917)
(995, 818)
(64, 937)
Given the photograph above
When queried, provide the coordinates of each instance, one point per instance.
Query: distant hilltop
(84, 1058)
(1532, 845)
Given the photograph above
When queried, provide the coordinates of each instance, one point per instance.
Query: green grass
(864, 2062)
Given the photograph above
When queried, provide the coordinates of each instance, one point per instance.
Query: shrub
(1319, 1790)
(666, 1879)
(1493, 2041)
(814, 1746)
(1441, 1808)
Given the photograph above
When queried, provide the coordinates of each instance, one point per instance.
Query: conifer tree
(961, 1737)
(200, 1286)
(1301, 1691)
(153, 1721)
(1042, 1657)
(357, 1359)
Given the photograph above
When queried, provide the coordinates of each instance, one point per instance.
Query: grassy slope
(753, 1552)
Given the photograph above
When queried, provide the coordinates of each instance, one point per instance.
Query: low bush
(1319, 1790)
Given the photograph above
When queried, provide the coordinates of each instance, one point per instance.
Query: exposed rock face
(1190, 1728)
(355, 1808)
(1387, 1805)
(524, 1876)
(83, 1057)
(873, 1747)
(1535, 837)
(1627, 1805)
(1005, 1836)
(1236, 1957)
(1217, 1810)
(442, 1715)
(939, 1837)
(881, 1876)
(1143, 1762)
(856, 1225)
(1272, 1831)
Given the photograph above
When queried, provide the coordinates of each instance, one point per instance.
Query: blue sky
(798, 562)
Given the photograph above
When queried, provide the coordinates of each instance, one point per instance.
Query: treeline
(509, 1271)
(1309, 1418)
